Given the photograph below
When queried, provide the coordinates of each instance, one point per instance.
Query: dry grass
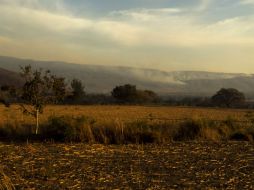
(129, 113)
(204, 164)
(129, 124)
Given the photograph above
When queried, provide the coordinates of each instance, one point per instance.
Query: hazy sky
(210, 35)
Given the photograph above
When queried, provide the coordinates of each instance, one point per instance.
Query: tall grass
(87, 130)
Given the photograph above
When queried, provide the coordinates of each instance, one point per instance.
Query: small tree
(147, 96)
(126, 93)
(77, 90)
(228, 97)
(130, 94)
(40, 88)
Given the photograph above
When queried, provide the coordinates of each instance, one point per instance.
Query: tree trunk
(37, 122)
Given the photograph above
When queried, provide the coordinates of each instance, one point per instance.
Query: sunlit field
(126, 95)
(211, 163)
(129, 147)
(126, 113)
(129, 124)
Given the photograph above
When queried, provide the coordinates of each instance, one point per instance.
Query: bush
(189, 130)
(138, 132)
(67, 128)
(55, 128)
(201, 129)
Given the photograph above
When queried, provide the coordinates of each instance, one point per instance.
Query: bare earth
(191, 165)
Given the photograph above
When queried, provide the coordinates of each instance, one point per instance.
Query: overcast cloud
(211, 35)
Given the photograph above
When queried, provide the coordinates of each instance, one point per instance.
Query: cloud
(247, 2)
(147, 35)
(4, 40)
(145, 14)
(44, 19)
(173, 29)
(203, 5)
(135, 27)
(60, 24)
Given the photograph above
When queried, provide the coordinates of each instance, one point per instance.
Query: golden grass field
(124, 113)
(121, 163)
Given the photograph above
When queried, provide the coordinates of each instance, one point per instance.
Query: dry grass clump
(140, 131)
(85, 129)
(128, 124)
(203, 129)
(13, 129)
(67, 128)
(88, 130)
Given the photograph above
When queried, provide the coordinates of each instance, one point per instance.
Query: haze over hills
(101, 79)
(10, 78)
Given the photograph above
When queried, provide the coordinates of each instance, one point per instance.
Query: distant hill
(101, 79)
(9, 78)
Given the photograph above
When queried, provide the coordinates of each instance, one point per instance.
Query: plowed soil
(184, 165)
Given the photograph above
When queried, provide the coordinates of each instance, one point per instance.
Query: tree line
(42, 87)
(225, 97)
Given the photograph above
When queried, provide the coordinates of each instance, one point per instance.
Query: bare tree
(40, 88)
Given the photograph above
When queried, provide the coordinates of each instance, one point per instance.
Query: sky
(169, 35)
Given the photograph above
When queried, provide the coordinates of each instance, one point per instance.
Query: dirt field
(173, 166)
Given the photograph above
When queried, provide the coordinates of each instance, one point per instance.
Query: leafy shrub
(67, 128)
(56, 127)
(189, 130)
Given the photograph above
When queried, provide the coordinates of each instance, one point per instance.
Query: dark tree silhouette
(228, 97)
(125, 94)
(40, 89)
(78, 92)
(129, 94)
(146, 96)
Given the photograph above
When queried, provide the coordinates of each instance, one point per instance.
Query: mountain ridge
(9, 78)
(101, 78)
